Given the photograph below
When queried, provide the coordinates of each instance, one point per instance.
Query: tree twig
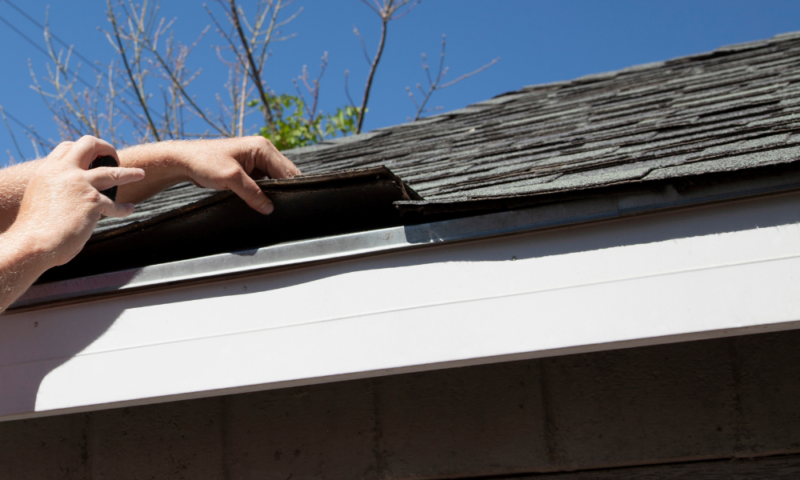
(255, 72)
(179, 85)
(363, 45)
(139, 93)
(467, 75)
(434, 85)
(387, 11)
(243, 98)
(313, 90)
(11, 132)
(347, 89)
(371, 76)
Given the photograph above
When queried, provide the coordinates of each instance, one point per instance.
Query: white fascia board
(690, 274)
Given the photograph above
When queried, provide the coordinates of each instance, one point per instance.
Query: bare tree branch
(376, 8)
(137, 88)
(368, 88)
(435, 85)
(155, 69)
(314, 90)
(180, 87)
(255, 71)
(467, 75)
(363, 45)
(242, 105)
(347, 89)
(387, 11)
(11, 132)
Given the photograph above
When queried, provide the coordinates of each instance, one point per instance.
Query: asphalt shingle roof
(735, 108)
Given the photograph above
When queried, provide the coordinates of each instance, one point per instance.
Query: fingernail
(267, 208)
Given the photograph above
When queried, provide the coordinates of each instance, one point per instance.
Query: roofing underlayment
(731, 110)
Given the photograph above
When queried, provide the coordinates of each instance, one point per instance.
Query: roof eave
(557, 212)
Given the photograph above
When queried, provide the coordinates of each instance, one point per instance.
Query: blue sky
(537, 41)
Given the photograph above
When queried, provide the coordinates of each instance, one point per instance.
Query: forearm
(223, 164)
(13, 181)
(21, 263)
(163, 166)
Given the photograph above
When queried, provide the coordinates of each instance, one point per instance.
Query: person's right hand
(62, 202)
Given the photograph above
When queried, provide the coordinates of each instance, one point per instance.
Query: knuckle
(255, 191)
(230, 174)
(262, 142)
(93, 196)
(261, 145)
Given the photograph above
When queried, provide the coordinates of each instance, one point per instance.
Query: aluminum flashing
(221, 265)
(401, 237)
(305, 207)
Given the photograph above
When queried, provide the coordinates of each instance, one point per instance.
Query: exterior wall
(622, 414)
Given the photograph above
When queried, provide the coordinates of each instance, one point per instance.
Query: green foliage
(292, 128)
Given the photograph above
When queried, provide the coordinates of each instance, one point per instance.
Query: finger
(87, 149)
(249, 191)
(110, 208)
(103, 178)
(269, 159)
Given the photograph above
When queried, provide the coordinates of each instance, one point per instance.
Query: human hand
(234, 164)
(223, 164)
(62, 202)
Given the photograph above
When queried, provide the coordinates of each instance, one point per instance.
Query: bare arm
(226, 164)
(21, 263)
(13, 181)
(229, 164)
(49, 207)
(57, 213)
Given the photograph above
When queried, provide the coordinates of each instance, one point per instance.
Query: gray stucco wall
(637, 410)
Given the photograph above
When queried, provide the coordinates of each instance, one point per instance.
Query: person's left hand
(225, 164)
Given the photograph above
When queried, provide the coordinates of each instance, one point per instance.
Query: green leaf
(292, 129)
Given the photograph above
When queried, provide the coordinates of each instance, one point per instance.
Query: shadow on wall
(33, 344)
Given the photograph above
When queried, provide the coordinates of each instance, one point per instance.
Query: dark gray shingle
(731, 109)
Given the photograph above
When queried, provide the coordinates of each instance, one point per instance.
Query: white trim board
(684, 275)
